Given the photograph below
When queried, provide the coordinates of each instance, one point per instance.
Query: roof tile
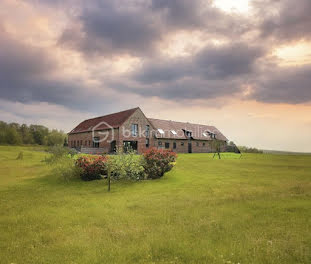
(103, 122)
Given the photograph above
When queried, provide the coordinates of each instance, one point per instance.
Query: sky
(243, 66)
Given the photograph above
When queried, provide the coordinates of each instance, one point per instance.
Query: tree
(26, 134)
(39, 134)
(55, 138)
(15, 134)
(12, 137)
(231, 147)
(3, 127)
(216, 146)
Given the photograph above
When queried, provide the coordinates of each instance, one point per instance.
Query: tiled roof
(103, 122)
(175, 130)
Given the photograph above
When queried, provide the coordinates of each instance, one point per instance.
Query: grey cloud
(106, 28)
(284, 85)
(133, 27)
(212, 63)
(232, 60)
(26, 75)
(183, 89)
(111, 28)
(181, 13)
(285, 20)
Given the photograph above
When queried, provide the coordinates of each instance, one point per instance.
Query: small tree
(216, 147)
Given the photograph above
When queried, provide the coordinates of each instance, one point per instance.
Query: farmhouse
(132, 129)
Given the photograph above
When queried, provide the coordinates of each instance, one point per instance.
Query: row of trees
(249, 150)
(16, 134)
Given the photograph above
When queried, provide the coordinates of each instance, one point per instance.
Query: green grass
(250, 210)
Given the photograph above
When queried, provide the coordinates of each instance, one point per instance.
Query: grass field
(256, 209)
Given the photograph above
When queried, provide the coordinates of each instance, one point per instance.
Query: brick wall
(198, 146)
(87, 140)
(125, 131)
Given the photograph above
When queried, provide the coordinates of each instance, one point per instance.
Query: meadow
(253, 209)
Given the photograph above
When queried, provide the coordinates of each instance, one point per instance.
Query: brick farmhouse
(132, 129)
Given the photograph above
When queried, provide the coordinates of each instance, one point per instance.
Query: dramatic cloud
(286, 84)
(285, 20)
(113, 29)
(29, 73)
(137, 27)
(107, 28)
(211, 63)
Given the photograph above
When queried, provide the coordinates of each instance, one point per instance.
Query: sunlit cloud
(242, 6)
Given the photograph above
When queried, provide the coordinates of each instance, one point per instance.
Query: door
(113, 146)
(189, 147)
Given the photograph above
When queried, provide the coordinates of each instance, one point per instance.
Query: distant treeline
(249, 150)
(16, 134)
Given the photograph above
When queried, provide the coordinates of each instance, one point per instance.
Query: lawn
(256, 209)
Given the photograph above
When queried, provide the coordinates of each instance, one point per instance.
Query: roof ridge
(179, 122)
(111, 114)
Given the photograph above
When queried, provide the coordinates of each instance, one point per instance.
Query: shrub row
(151, 165)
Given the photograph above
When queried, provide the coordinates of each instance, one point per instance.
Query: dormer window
(161, 131)
(173, 132)
(204, 134)
(188, 134)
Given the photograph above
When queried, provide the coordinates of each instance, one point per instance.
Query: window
(161, 131)
(134, 130)
(85, 143)
(147, 142)
(147, 131)
(96, 142)
(174, 145)
(74, 143)
(198, 144)
(89, 142)
(160, 143)
(167, 145)
(173, 132)
(182, 143)
(80, 142)
(204, 134)
(129, 145)
(203, 144)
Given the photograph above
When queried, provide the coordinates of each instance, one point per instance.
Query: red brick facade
(133, 129)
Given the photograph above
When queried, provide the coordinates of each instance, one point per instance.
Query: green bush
(58, 152)
(127, 165)
(67, 169)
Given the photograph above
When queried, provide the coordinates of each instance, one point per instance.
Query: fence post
(109, 177)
